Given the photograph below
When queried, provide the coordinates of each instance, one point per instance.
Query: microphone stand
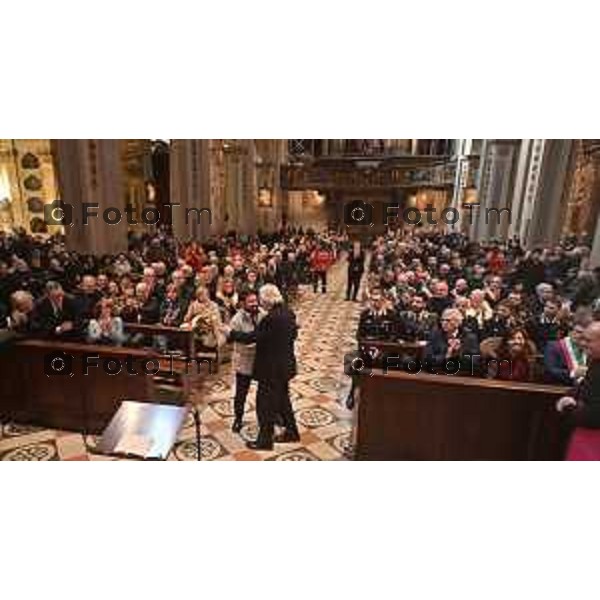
(196, 415)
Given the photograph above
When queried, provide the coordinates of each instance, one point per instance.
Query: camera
(358, 214)
(58, 364)
(58, 213)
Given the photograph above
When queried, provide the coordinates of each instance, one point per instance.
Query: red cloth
(584, 445)
(321, 260)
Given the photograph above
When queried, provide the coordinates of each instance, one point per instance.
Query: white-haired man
(451, 345)
(582, 406)
(274, 368)
(544, 292)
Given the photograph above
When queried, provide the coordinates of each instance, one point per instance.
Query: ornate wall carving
(217, 185)
(582, 195)
(27, 183)
(28, 179)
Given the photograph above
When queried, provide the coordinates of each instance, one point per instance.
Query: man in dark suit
(548, 326)
(274, 368)
(450, 344)
(379, 321)
(417, 323)
(500, 324)
(149, 305)
(56, 315)
(565, 361)
(582, 406)
(441, 299)
(356, 269)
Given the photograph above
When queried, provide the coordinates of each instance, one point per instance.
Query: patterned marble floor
(328, 326)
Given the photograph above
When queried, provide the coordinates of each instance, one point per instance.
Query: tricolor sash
(572, 355)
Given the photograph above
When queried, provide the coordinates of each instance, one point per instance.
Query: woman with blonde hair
(227, 299)
(106, 327)
(204, 318)
(480, 309)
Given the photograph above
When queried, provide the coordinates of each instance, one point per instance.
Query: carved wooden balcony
(369, 173)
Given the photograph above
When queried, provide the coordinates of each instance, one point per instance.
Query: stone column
(492, 219)
(190, 189)
(233, 186)
(461, 180)
(528, 149)
(337, 147)
(249, 189)
(278, 193)
(90, 171)
(545, 203)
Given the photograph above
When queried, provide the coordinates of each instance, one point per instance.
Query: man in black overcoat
(274, 368)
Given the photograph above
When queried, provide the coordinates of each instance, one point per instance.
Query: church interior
(299, 300)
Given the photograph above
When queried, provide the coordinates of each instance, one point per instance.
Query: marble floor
(328, 326)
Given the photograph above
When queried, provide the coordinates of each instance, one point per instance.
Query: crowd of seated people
(457, 297)
(51, 292)
(522, 312)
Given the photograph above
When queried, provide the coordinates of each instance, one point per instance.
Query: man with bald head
(583, 405)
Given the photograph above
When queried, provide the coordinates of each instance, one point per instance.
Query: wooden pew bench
(33, 394)
(186, 365)
(413, 350)
(400, 416)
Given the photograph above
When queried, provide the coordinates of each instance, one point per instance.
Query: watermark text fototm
(61, 213)
(359, 213)
(471, 365)
(61, 364)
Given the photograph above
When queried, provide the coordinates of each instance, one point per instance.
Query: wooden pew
(418, 351)
(82, 403)
(400, 416)
(183, 339)
(400, 348)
